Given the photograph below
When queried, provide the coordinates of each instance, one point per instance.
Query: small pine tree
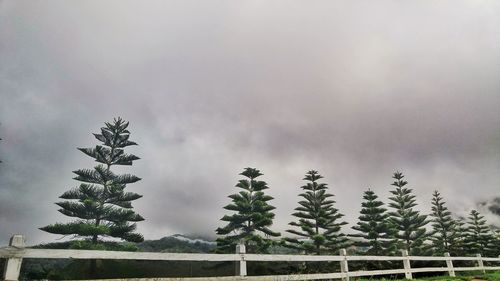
(252, 218)
(407, 222)
(459, 248)
(478, 234)
(495, 244)
(318, 220)
(445, 233)
(373, 229)
(100, 203)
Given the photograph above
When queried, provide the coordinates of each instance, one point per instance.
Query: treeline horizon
(378, 231)
(102, 207)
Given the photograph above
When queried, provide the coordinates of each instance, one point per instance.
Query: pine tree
(459, 248)
(407, 222)
(495, 244)
(478, 234)
(373, 229)
(252, 218)
(318, 220)
(445, 232)
(100, 203)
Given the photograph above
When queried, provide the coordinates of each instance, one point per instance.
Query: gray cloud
(356, 90)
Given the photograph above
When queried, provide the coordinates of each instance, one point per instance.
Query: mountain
(69, 269)
(194, 239)
(73, 269)
(178, 243)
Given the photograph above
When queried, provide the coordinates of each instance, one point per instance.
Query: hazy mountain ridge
(177, 243)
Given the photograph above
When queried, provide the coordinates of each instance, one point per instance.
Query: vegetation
(373, 228)
(445, 234)
(89, 245)
(172, 244)
(318, 221)
(36, 269)
(103, 208)
(252, 218)
(407, 222)
(495, 245)
(478, 236)
(465, 276)
(100, 203)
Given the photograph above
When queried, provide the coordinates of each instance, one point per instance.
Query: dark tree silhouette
(478, 235)
(407, 222)
(445, 234)
(319, 228)
(373, 228)
(251, 219)
(100, 203)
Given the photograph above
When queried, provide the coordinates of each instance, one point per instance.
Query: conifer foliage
(478, 236)
(495, 249)
(445, 235)
(373, 229)
(318, 221)
(100, 203)
(407, 222)
(252, 216)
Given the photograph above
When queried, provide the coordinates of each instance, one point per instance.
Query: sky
(354, 89)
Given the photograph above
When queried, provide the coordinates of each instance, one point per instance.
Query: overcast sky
(353, 89)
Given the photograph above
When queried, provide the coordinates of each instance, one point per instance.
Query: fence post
(480, 263)
(13, 265)
(406, 264)
(449, 264)
(344, 267)
(242, 269)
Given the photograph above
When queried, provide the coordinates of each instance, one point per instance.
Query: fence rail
(16, 251)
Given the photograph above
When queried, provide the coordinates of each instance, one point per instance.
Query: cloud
(355, 90)
(494, 206)
(491, 211)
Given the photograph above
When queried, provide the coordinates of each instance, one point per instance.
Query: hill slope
(177, 244)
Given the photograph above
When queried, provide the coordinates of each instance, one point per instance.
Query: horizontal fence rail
(16, 251)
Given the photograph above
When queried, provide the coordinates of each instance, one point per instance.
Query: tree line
(102, 208)
(380, 230)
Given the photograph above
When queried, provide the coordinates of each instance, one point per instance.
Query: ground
(476, 276)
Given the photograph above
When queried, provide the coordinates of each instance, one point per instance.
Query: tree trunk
(93, 262)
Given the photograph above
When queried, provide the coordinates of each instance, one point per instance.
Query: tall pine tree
(407, 222)
(318, 220)
(478, 235)
(373, 228)
(252, 218)
(445, 234)
(100, 203)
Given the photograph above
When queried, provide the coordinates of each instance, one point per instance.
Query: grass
(489, 276)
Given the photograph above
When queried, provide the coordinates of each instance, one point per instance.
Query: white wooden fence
(16, 251)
